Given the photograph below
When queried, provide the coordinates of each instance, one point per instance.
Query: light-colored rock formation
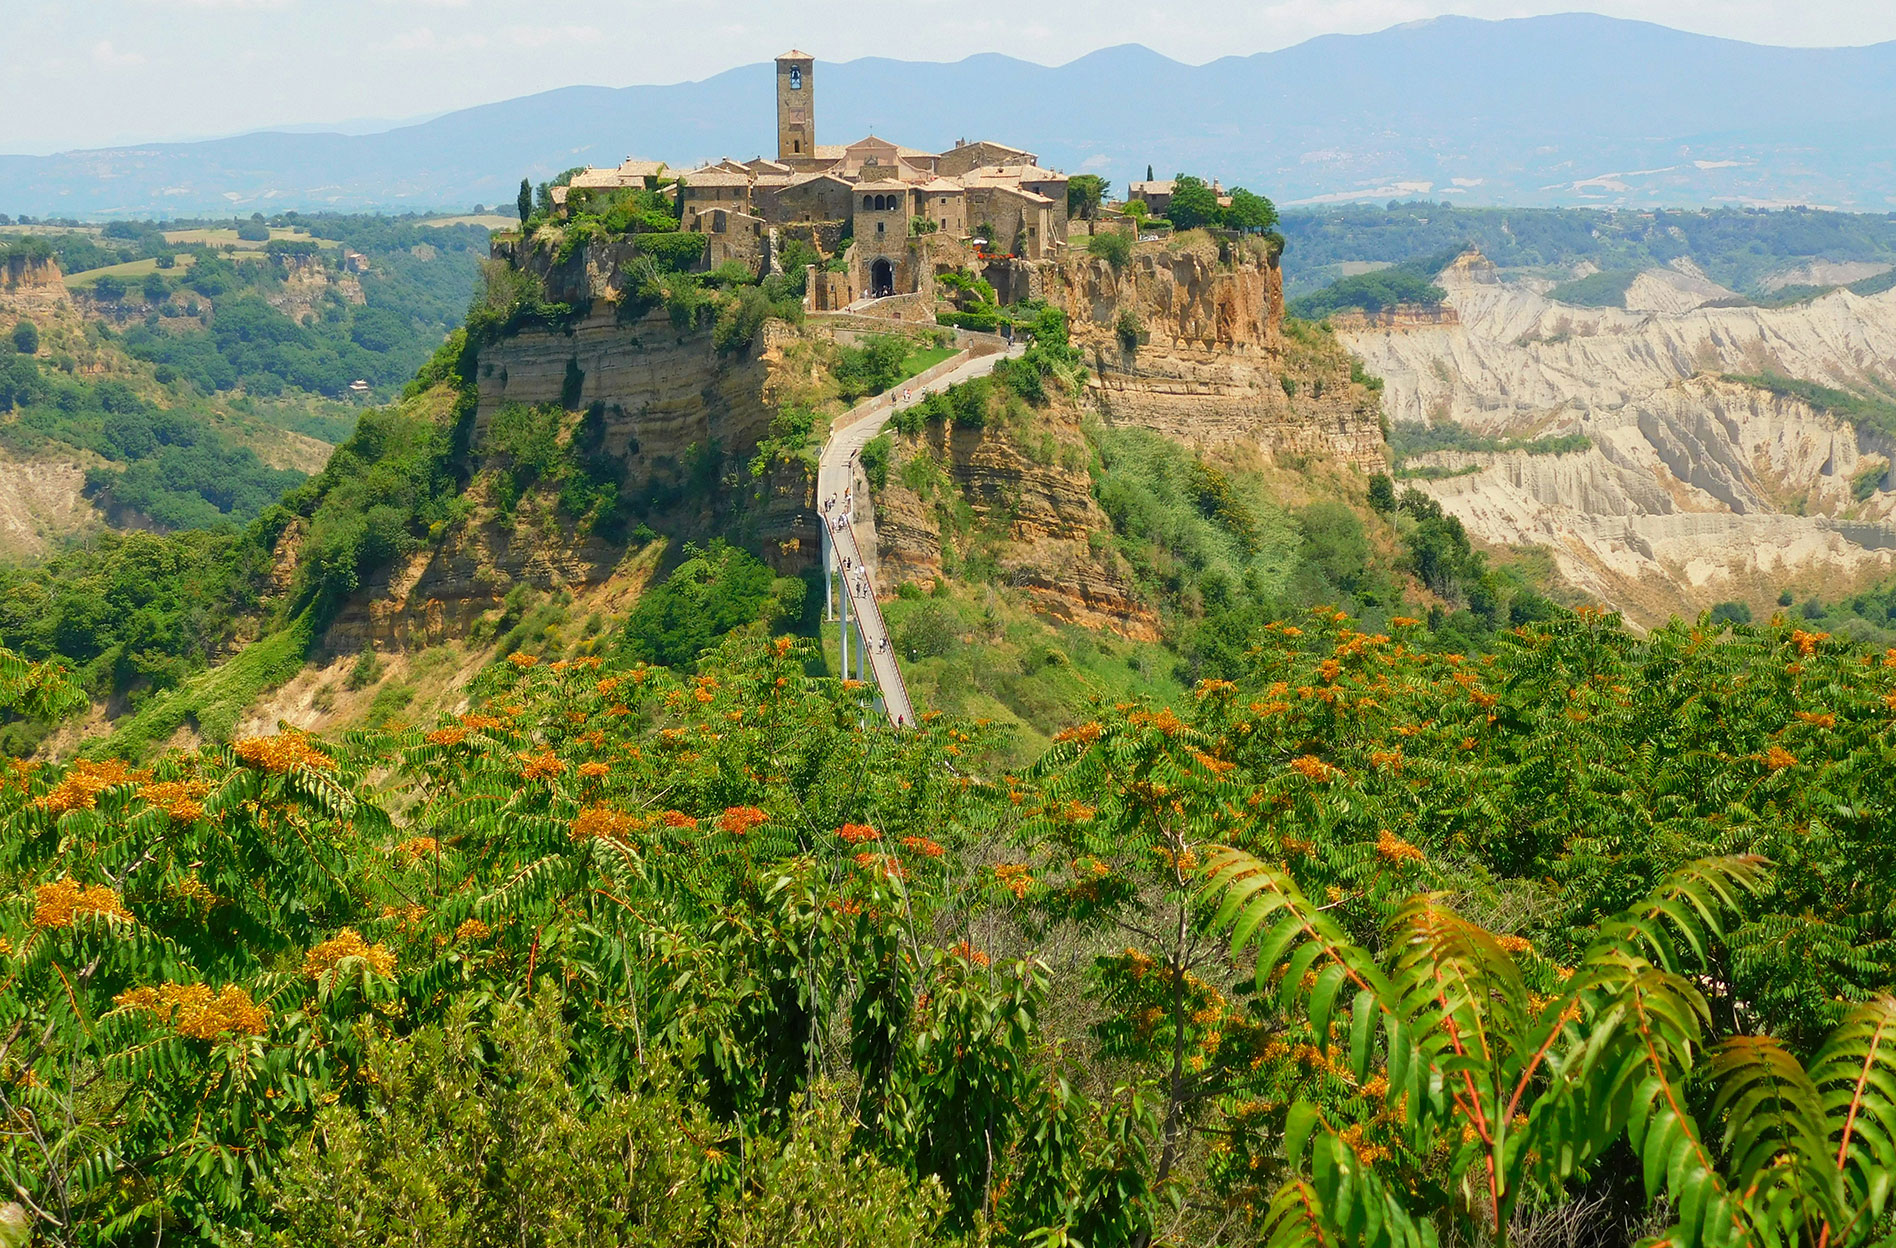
(41, 502)
(1696, 489)
(1213, 366)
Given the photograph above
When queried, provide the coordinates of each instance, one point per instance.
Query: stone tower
(796, 108)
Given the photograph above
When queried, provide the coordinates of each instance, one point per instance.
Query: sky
(92, 73)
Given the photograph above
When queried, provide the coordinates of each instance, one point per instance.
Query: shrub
(1112, 247)
(26, 339)
(874, 459)
(1130, 330)
(675, 252)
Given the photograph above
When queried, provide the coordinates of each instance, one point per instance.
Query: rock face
(1695, 490)
(41, 501)
(306, 280)
(1212, 364)
(32, 287)
(1033, 514)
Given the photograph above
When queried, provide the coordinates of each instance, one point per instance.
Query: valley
(901, 698)
(1702, 481)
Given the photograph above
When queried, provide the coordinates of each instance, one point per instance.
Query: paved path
(849, 434)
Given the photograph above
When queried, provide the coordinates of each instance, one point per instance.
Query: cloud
(104, 53)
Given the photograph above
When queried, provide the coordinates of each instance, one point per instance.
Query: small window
(796, 145)
(868, 203)
(879, 226)
(796, 78)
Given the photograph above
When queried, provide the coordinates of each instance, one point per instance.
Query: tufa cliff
(1189, 341)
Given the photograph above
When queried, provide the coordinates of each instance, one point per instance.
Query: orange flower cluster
(541, 766)
(969, 954)
(1162, 720)
(64, 902)
(1393, 849)
(414, 850)
(1388, 760)
(84, 781)
(1405, 621)
(194, 890)
(857, 833)
(1084, 733)
(738, 820)
(479, 723)
(522, 661)
(1073, 812)
(473, 929)
(1515, 944)
(197, 1012)
(1208, 687)
(454, 734)
(595, 771)
(284, 752)
(1806, 643)
(614, 825)
(1818, 719)
(1312, 768)
(1777, 758)
(179, 799)
(1013, 877)
(923, 846)
(677, 819)
(607, 685)
(347, 943)
(1366, 1152)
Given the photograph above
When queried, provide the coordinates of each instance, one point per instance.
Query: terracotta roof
(714, 176)
(940, 186)
(760, 164)
(1029, 173)
(883, 184)
(804, 179)
(1012, 188)
(879, 141)
(829, 151)
(597, 179)
(764, 180)
(1004, 147)
(794, 55)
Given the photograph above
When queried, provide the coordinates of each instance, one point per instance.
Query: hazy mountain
(1549, 110)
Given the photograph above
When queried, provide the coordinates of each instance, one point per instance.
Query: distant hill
(1572, 109)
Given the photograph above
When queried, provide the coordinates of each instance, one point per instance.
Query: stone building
(898, 215)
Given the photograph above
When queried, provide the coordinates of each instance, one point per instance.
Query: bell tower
(796, 108)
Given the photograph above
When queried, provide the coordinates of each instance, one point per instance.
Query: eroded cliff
(1696, 489)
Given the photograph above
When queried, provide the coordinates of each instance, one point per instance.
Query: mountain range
(1557, 110)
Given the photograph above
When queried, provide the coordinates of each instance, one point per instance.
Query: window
(796, 145)
(868, 203)
(879, 226)
(796, 78)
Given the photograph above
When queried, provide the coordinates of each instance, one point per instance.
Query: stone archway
(881, 279)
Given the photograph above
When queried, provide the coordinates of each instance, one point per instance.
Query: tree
(1148, 173)
(108, 289)
(525, 201)
(26, 338)
(1250, 212)
(1084, 193)
(1382, 493)
(1194, 203)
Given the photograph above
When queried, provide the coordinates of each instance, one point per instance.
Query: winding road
(834, 476)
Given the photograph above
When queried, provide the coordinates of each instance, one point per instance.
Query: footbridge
(849, 586)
